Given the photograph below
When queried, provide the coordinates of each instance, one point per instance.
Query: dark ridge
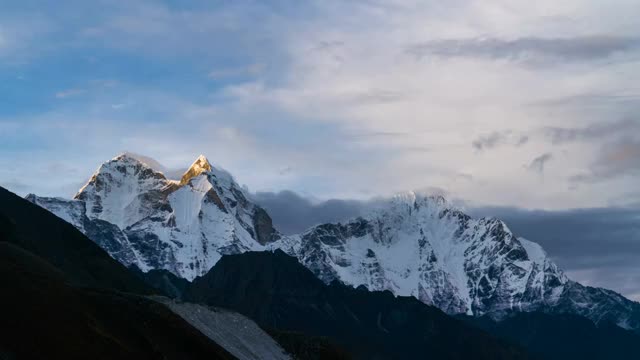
(45, 318)
(164, 282)
(563, 336)
(302, 346)
(82, 262)
(279, 293)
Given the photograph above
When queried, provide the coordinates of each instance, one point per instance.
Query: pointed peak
(201, 165)
(203, 162)
(127, 158)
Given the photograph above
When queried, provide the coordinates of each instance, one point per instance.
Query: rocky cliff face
(411, 245)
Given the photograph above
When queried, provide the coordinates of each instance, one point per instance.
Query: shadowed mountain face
(563, 336)
(278, 292)
(44, 318)
(65, 298)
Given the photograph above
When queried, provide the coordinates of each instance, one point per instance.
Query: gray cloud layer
(497, 138)
(560, 135)
(527, 48)
(293, 213)
(599, 246)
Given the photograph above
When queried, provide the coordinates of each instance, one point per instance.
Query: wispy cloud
(538, 163)
(497, 138)
(596, 131)
(230, 72)
(69, 93)
(529, 49)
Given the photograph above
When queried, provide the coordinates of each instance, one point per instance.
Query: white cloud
(336, 93)
(361, 78)
(69, 93)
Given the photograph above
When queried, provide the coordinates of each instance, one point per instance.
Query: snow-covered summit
(416, 245)
(201, 165)
(182, 226)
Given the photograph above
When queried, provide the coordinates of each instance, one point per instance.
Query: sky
(530, 108)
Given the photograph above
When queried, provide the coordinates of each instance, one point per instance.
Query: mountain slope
(561, 337)
(44, 318)
(411, 245)
(81, 261)
(278, 292)
(236, 333)
(61, 297)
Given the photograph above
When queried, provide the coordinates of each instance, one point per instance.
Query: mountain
(64, 298)
(420, 246)
(411, 245)
(144, 219)
(274, 289)
(236, 333)
(82, 262)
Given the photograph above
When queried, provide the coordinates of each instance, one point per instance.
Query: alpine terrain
(411, 245)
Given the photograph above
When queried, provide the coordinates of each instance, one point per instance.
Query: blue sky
(502, 105)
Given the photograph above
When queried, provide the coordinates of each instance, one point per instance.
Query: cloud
(343, 104)
(231, 72)
(618, 158)
(527, 49)
(292, 213)
(538, 163)
(69, 93)
(497, 138)
(596, 131)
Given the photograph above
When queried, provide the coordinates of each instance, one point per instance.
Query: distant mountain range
(411, 245)
(66, 294)
(64, 297)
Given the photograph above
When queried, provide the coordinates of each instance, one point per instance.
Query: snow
(186, 202)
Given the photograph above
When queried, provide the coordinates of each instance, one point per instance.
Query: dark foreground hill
(60, 298)
(45, 318)
(43, 234)
(564, 336)
(278, 292)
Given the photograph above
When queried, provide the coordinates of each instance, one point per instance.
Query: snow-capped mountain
(142, 218)
(419, 246)
(412, 245)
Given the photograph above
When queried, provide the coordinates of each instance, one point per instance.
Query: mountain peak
(198, 167)
(151, 162)
(125, 157)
